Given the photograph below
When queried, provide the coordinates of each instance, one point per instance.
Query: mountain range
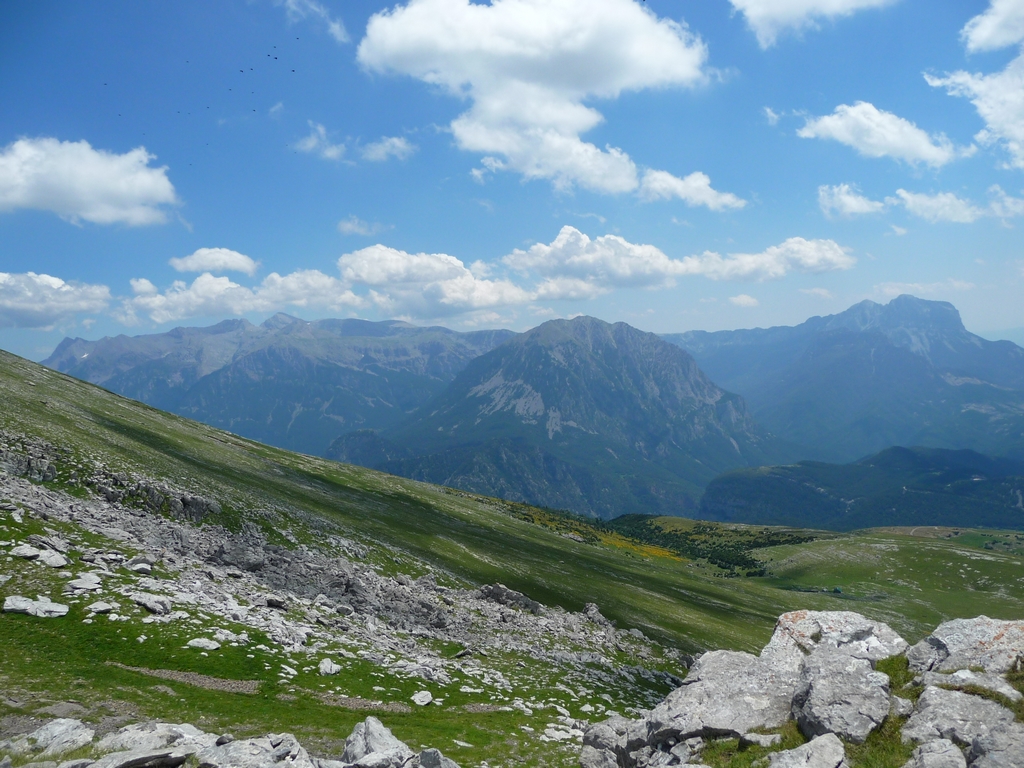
(846, 386)
(289, 383)
(578, 414)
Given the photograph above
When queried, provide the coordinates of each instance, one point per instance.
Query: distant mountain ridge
(896, 487)
(848, 385)
(286, 382)
(579, 414)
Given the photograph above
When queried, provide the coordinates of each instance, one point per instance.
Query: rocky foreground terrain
(822, 672)
(159, 569)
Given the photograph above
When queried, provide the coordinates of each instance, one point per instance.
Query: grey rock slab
(43, 607)
(840, 694)
(941, 753)
(165, 758)
(154, 736)
(992, 644)
(52, 559)
(25, 552)
(100, 607)
(61, 735)
(328, 667)
(372, 736)
(822, 752)
(81, 763)
(591, 757)
(422, 698)
(256, 753)
(900, 707)
(86, 582)
(760, 739)
(203, 644)
(158, 604)
(954, 715)
(964, 677)
(804, 631)
(1001, 748)
(726, 693)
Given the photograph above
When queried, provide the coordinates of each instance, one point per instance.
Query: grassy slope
(474, 538)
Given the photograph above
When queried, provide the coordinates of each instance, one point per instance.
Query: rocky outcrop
(371, 745)
(819, 670)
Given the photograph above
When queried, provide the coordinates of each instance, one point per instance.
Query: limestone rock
(954, 715)
(158, 604)
(1000, 748)
(43, 607)
(760, 739)
(204, 644)
(965, 677)
(25, 552)
(153, 736)
(86, 582)
(369, 737)
(422, 698)
(282, 749)
(432, 758)
(941, 753)
(100, 607)
(822, 752)
(840, 694)
(597, 758)
(991, 644)
(805, 631)
(52, 559)
(329, 667)
(61, 735)
(726, 693)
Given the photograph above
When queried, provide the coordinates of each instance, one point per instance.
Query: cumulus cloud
(768, 18)
(1002, 24)
(215, 260)
(609, 261)
(302, 9)
(999, 99)
(353, 225)
(210, 296)
(28, 300)
(876, 133)
(693, 190)
(844, 200)
(317, 143)
(743, 300)
(388, 147)
(78, 183)
(771, 116)
(944, 206)
(527, 67)
(425, 284)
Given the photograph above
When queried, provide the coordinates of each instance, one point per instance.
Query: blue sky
(675, 165)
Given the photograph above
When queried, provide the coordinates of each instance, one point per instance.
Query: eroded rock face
(42, 607)
(855, 635)
(727, 693)
(954, 715)
(941, 753)
(840, 694)
(991, 644)
(1001, 748)
(822, 752)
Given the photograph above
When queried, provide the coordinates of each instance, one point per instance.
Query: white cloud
(743, 300)
(898, 231)
(28, 300)
(1002, 24)
(610, 261)
(695, 189)
(317, 143)
(944, 206)
(528, 66)
(276, 110)
(768, 18)
(821, 293)
(215, 260)
(425, 284)
(891, 290)
(771, 116)
(78, 182)
(353, 225)
(302, 9)
(844, 200)
(876, 133)
(1003, 206)
(999, 99)
(387, 147)
(210, 296)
